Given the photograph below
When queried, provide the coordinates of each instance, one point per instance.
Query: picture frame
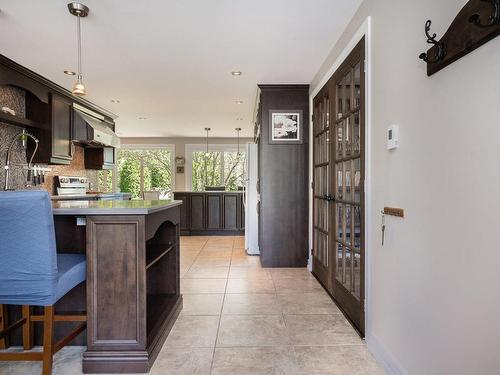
(285, 127)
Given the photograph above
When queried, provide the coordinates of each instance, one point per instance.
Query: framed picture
(285, 127)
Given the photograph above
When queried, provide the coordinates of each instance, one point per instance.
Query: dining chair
(32, 273)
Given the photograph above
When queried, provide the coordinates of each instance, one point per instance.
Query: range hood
(93, 129)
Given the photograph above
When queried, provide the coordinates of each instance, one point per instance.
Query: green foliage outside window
(222, 169)
(156, 167)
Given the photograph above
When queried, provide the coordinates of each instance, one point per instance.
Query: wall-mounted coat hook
(493, 19)
(431, 39)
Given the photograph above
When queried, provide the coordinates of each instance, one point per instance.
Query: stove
(67, 185)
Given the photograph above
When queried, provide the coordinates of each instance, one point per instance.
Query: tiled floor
(240, 318)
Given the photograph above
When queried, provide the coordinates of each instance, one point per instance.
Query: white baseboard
(386, 360)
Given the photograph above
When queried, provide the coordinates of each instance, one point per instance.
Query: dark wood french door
(339, 199)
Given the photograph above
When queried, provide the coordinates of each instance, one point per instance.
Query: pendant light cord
(78, 33)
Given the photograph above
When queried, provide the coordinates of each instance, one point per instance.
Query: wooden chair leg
(4, 342)
(48, 339)
(27, 328)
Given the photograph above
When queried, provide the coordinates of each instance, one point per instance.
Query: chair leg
(4, 342)
(48, 339)
(27, 328)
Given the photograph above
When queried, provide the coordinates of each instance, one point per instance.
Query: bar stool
(33, 274)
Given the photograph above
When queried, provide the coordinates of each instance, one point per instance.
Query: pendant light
(79, 10)
(238, 138)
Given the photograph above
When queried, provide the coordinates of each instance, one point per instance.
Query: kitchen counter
(111, 207)
(100, 196)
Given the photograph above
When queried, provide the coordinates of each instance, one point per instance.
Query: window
(221, 166)
(145, 168)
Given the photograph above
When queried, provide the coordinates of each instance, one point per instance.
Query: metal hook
(431, 39)
(493, 19)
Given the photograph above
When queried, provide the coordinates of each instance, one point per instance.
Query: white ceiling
(171, 60)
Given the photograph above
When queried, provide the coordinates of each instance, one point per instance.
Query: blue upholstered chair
(33, 274)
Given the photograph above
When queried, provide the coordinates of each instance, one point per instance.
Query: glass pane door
(348, 179)
(322, 190)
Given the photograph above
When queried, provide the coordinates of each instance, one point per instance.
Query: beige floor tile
(247, 261)
(239, 242)
(193, 332)
(215, 253)
(248, 273)
(250, 286)
(251, 304)
(252, 330)
(197, 286)
(224, 243)
(252, 361)
(321, 330)
(207, 272)
(186, 361)
(212, 262)
(308, 303)
(293, 273)
(191, 248)
(336, 360)
(202, 304)
(302, 285)
(240, 253)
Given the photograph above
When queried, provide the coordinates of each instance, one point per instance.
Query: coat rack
(477, 23)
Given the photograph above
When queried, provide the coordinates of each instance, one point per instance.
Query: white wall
(180, 149)
(435, 299)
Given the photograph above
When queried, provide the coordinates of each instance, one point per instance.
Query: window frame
(158, 146)
(218, 147)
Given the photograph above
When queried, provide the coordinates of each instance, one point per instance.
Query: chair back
(151, 195)
(28, 259)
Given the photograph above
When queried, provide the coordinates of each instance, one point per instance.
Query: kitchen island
(133, 292)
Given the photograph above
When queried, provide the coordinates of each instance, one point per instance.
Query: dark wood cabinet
(283, 181)
(197, 212)
(99, 158)
(214, 214)
(211, 213)
(184, 212)
(231, 211)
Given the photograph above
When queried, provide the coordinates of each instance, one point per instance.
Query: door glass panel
(347, 93)
(357, 227)
(340, 173)
(348, 218)
(326, 112)
(340, 98)
(347, 180)
(340, 140)
(339, 274)
(355, 133)
(348, 271)
(357, 180)
(357, 85)
(340, 231)
(357, 274)
(348, 137)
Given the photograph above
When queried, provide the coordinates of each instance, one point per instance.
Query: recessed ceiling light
(69, 72)
(142, 118)
(239, 118)
(239, 102)
(236, 73)
(116, 101)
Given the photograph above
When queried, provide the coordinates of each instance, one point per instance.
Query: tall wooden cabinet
(283, 180)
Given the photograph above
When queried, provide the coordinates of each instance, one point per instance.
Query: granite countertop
(88, 196)
(111, 207)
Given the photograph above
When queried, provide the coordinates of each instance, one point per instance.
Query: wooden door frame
(364, 31)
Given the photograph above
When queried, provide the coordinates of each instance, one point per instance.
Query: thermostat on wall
(392, 137)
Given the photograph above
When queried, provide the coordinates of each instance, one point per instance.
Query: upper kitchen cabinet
(99, 157)
(55, 132)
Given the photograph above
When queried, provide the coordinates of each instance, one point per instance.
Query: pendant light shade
(79, 10)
